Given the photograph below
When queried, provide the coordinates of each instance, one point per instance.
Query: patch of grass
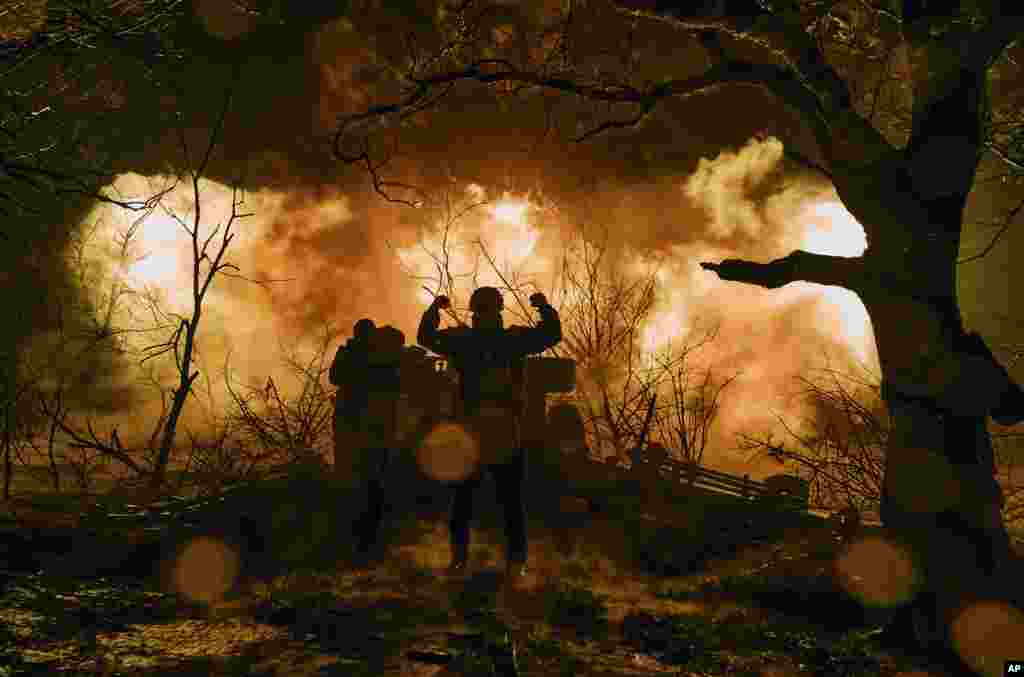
(475, 600)
(299, 600)
(816, 598)
(570, 666)
(477, 603)
(706, 645)
(678, 640)
(64, 609)
(11, 661)
(576, 569)
(676, 591)
(577, 607)
(487, 655)
(742, 586)
(415, 575)
(298, 583)
(542, 654)
(855, 653)
(540, 644)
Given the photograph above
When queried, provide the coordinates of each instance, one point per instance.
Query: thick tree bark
(941, 498)
(939, 382)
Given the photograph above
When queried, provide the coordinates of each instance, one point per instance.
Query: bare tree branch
(492, 71)
(798, 265)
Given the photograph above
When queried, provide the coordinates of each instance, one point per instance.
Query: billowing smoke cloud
(318, 257)
(305, 264)
(742, 203)
(325, 250)
(773, 336)
(728, 187)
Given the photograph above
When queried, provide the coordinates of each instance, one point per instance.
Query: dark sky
(700, 179)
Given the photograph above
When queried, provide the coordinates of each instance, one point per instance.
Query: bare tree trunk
(910, 199)
(50, 444)
(8, 444)
(181, 393)
(12, 394)
(940, 496)
(200, 285)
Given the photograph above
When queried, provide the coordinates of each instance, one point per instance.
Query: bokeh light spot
(205, 569)
(877, 572)
(986, 634)
(448, 453)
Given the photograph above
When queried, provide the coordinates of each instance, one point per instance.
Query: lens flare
(448, 453)
(877, 572)
(986, 634)
(205, 569)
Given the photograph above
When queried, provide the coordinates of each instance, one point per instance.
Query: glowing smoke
(758, 213)
(752, 211)
(459, 244)
(723, 186)
(245, 321)
(327, 263)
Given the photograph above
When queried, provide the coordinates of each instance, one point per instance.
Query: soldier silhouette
(490, 361)
(367, 373)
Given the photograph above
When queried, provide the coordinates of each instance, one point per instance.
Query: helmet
(361, 329)
(486, 299)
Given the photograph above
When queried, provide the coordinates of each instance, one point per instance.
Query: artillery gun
(430, 389)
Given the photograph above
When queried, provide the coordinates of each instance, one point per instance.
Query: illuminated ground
(763, 608)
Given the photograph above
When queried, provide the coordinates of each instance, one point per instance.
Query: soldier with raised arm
(490, 361)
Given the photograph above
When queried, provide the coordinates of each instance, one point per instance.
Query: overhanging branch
(796, 266)
(778, 80)
(780, 38)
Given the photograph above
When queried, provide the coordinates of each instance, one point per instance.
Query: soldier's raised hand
(442, 301)
(538, 300)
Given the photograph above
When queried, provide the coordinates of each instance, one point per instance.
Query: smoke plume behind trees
(323, 244)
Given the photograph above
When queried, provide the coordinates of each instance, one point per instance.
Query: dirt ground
(760, 606)
(401, 615)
